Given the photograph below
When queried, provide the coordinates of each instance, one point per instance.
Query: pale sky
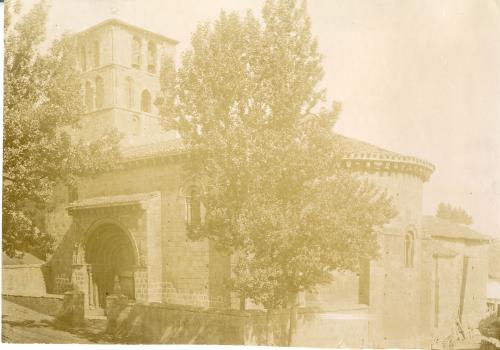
(419, 77)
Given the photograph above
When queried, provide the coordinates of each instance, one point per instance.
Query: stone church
(126, 230)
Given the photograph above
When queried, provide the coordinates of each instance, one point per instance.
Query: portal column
(141, 283)
(79, 275)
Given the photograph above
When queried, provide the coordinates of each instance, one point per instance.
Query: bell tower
(120, 65)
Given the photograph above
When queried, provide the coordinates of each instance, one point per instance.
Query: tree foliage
(454, 214)
(246, 103)
(42, 104)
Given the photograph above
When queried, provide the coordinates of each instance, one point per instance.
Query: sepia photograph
(290, 173)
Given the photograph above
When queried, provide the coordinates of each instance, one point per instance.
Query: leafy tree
(42, 103)
(454, 214)
(275, 197)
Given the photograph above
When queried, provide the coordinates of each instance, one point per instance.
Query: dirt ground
(23, 325)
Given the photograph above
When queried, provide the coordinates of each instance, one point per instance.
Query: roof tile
(436, 227)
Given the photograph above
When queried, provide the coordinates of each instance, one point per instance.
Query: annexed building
(457, 255)
(126, 230)
(493, 291)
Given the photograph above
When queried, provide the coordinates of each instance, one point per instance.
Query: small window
(193, 207)
(83, 58)
(89, 98)
(99, 92)
(129, 92)
(136, 125)
(151, 57)
(72, 194)
(146, 101)
(409, 250)
(136, 52)
(97, 54)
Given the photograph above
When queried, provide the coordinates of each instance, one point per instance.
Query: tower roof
(118, 22)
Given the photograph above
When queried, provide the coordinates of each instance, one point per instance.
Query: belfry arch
(111, 257)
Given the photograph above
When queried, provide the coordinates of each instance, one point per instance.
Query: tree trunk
(267, 327)
(292, 322)
(242, 302)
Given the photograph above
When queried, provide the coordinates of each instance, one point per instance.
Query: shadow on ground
(93, 330)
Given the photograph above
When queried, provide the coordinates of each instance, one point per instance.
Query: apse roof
(352, 146)
(439, 228)
(358, 154)
(349, 146)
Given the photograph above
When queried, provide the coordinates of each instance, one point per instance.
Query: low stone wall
(157, 323)
(340, 327)
(25, 280)
(72, 312)
(50, 304)
(173, 324)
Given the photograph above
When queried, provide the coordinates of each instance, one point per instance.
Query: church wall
(123, 43)
(406, 193)
(446, 293)
(59, 225)
(343, 290)
(140, 127)
(395, 297)
(96, 123)
(184, 263)
(107, 76)
(104, 38)
(140, 81)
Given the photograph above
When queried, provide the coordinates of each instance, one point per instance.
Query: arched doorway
(111, 256)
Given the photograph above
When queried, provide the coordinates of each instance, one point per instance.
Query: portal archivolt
(111, 256)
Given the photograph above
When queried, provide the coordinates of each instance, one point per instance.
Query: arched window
(146, 101)
(151, 57)
(97, 54)
(193, 207)
(136, 52)
(83, 59)
(72, 194)
(136, 125)
(89, 98)
(409, 249)
(99, 92)
(129, 92)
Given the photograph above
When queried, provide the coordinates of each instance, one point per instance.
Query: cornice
(389, 163)
(408, 165)
(111, 204)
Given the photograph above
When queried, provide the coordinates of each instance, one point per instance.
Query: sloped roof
(494, 263)
(356, 147)
(27, 259)
(439, 228)
(352, 148)
(168, 147)
(108, 201)
(116, 21)
(358, 156)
